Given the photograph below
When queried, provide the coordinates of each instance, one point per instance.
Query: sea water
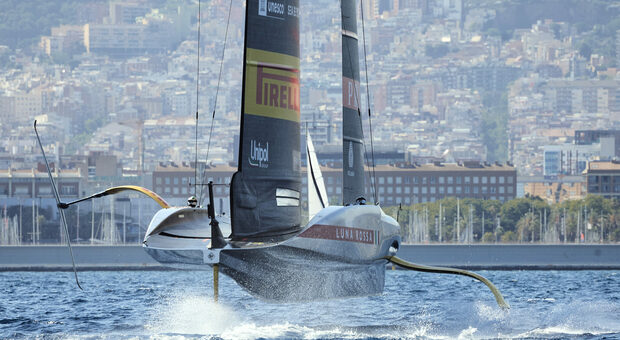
(179, 305)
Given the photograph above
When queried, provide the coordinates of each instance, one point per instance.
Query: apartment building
(63, 38)
(603, 178)
(589, 137)
(126, 39)
(586, 96)
(126, 12)
(20, 105)
(488, 77)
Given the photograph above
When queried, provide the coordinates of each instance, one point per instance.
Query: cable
(358, 101)
(217, 91)
(197, 95)
(372, 149)
(372, 186)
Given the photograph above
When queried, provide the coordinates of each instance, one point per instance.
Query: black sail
(265, 191)
(352, 135)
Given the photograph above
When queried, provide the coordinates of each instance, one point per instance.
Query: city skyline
(416, 99)
(114, 91)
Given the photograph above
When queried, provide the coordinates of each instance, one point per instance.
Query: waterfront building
(32, 187)
(409, 183)
(603, 178)
(35, 183)
(175, 183)
(396, 184)
(553, 189)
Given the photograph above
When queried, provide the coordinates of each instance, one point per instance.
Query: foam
(197, 315)
(191, 315)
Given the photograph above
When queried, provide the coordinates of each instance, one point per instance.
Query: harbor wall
(99, 257)
(479, 256)
(515, 256)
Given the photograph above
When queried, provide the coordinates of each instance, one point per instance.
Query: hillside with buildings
(523, 95)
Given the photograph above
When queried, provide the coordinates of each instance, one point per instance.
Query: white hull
(339, 253)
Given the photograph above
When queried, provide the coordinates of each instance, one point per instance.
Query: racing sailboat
(343, 250)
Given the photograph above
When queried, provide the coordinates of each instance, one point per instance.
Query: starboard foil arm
(61, 212)
(115, 190)
(443, 270)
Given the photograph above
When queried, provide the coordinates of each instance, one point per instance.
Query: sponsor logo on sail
(276, 9)
(276, 89)
(293, 11)
(350, 93)
(272, 85)
(259, 155)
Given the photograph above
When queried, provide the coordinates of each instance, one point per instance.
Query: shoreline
(472, 257)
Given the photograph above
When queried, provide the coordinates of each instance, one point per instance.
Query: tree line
(593, 219)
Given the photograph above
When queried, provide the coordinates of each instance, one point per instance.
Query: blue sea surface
(179, 305)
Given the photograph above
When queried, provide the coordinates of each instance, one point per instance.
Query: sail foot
(264, 208)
